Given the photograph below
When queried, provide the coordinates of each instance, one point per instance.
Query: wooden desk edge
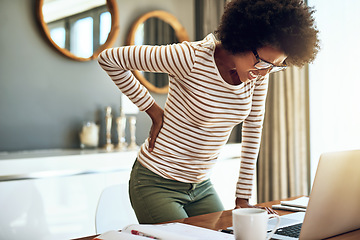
(223, 220)
(215, 221)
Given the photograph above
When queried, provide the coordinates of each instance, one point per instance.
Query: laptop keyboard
(290, 231)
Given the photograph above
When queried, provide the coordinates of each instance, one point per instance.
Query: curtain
(207, 17)
(283, 164)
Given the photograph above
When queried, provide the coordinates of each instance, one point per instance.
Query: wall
(45, 97)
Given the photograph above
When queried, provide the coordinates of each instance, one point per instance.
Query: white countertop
(62, 162)
(67, 162)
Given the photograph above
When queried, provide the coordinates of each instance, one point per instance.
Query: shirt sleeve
(175, 59)
(251, 137)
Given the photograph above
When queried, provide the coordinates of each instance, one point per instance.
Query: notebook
(333, 206)
(296, 205)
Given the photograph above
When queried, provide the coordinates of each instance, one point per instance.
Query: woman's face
(244, 63)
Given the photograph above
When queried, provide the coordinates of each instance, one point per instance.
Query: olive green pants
(156, 199)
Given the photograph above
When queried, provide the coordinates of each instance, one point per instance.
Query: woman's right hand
(156, 113)
(244, 203)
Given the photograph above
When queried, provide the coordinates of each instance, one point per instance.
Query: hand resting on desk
(244, 203)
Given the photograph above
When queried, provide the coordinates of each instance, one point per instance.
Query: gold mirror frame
(114, 31)
(180, 33)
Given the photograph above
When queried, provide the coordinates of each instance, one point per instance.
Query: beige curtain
(283, 165)
(208, 15)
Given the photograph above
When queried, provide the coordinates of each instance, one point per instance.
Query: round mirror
(156, 28)
(79, 29)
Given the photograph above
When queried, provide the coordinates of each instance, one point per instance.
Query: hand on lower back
(156, 114)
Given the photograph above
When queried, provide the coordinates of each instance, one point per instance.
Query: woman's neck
(225, 65)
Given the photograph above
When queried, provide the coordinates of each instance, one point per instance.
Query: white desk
(53, 194)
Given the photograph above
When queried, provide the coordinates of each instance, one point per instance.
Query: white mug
(251, 223)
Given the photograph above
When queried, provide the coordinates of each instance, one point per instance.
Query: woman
(215, 84)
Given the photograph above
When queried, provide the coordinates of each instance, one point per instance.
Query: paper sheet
(170, 231)
(301, 202)
(115, 235)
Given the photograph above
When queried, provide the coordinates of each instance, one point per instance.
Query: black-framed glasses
(262, 64)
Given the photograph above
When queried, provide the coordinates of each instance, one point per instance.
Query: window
(81, 37)
(105, 26)
(82, 33)
(334, 84)
(58, 35)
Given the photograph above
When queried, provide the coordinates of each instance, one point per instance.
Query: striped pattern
(200, 111)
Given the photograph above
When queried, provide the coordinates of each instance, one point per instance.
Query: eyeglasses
(262, 64)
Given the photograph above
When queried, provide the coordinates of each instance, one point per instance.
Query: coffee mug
(251, 223)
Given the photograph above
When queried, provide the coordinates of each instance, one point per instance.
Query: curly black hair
(287, 25)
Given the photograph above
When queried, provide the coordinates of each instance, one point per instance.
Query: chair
(114, 209)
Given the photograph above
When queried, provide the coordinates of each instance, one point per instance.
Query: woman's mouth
(252, 75)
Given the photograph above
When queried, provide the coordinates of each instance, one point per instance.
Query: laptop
(334, 202)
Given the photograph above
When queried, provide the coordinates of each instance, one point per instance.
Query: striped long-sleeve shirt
(200, 111)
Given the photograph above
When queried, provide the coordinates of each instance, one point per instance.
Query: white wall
(334, 79)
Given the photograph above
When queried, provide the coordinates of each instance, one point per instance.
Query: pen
(135, 232)
(226, 231)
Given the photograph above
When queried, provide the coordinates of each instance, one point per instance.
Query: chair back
(114, 210)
